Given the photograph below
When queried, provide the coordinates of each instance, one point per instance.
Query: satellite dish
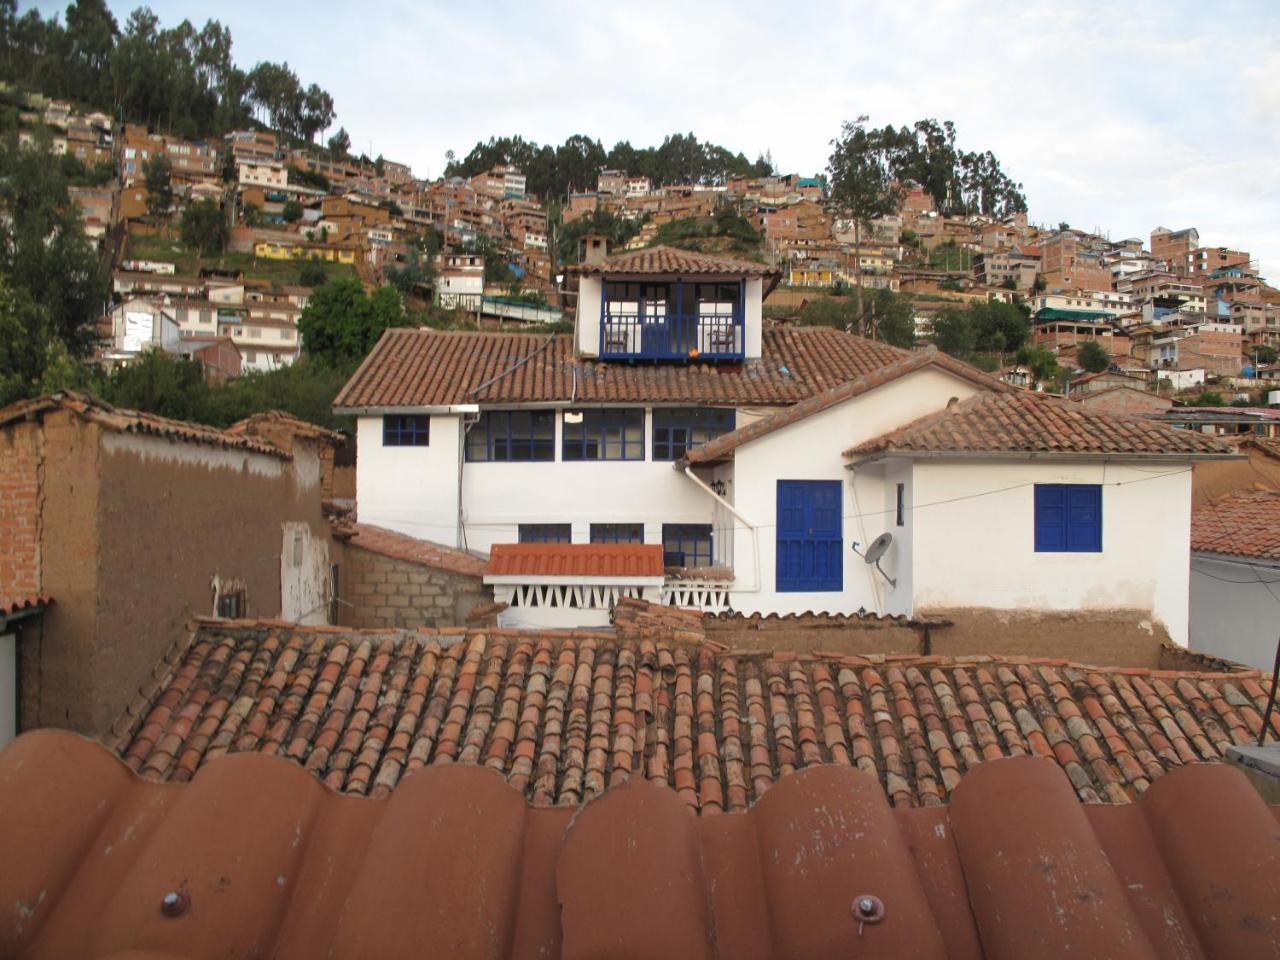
(878, 546)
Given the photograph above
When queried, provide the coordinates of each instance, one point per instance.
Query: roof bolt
(174, 903)
(867, 909)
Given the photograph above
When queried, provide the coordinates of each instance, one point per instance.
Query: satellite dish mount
(874, 552)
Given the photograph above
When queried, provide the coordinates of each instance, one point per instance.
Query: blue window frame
(686, 544)
(546, 533)
(609, 434)
(810, 558)
(406, 430)
(617, 533)
(677, 429)
(1068, 518)
(512, 435)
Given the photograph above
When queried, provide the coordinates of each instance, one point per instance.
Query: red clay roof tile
(660, 260)
(1019, 421)
(1239, 525)
(563, 715)
(121, 420)
(399, 546)
(575, 560)
(267, 861)
(417, 368)
(22, 604)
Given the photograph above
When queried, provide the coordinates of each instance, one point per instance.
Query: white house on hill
(765, 462)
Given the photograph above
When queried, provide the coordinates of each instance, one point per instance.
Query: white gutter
(755, 535)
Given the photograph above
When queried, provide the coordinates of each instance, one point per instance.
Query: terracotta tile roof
(269, 420)
(22, 605)
(720, 447)
(121, 420)
(575, 560)
(411, 368)
(660, 259)
(563, 715)
(399, 546)
(1239, 525)
(267, 862)
(1020, 421)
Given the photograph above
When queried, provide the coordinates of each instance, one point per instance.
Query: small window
(406, 430)
(231, 606)
(512, 435)
(902, 504)
(610, 434)
(686, 544)
(617, 533)
(676, 430)
(1068, 518)
(546, 533)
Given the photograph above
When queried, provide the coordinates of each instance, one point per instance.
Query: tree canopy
(893, 313)
(179, 78)
(340, 323)
(960, 182)
(988, 328)
(1093, 356)
(553, 171)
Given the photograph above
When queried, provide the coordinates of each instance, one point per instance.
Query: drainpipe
(755, 535)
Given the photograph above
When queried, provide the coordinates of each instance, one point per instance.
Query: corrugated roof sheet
(1019, 421)
(563, 715)
(413, 368)
(267, 862)
(1239, 525)
(575, 560)
(122, 420)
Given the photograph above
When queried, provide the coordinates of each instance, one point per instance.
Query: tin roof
(256, 858)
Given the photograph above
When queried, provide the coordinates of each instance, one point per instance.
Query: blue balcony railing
(634, 336)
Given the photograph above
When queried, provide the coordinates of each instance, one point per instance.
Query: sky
(1114, 117)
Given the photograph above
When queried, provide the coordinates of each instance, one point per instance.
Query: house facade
(671, 417)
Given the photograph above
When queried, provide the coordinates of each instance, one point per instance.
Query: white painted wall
(812, 449)
(304, 575)
(1236, 620)
(8, 688)
(980, 551)
(587, 318)
(753, 317)
(413, 490)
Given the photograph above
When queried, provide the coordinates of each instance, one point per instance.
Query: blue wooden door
(809, 555)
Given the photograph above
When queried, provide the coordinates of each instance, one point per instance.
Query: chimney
(595, 248)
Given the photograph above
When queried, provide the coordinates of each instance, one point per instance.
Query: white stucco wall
(1236, 620)
(753, 317)
(812, 449)
(587, 318)
(413, 490)
(979, 551)
(497, 497)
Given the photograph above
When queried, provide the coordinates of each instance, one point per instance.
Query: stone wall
(381, 591)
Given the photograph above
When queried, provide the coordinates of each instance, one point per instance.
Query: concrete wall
(979, 551)
(812, 449)
(384, 592)
(1234, 610)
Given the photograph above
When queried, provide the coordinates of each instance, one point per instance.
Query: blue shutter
(1068, 518)
(809, 540)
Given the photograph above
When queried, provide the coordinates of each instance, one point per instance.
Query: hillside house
(672, 417)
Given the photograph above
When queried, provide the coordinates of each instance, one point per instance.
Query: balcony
(666, 336)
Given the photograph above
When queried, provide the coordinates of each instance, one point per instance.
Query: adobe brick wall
(806, 634)
(20, 465)
(382, 592)
(1113, 638)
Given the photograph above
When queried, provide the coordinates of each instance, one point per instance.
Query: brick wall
(20, 456)
(383, 592)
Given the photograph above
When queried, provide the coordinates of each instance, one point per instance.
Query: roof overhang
(1238, 559)
(515, 579)
(455, 409)
(1054, 456)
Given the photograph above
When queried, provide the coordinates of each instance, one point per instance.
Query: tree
(862, 188)
(159, 183)
(1264, 354)
(1042, 364)
(292, 211)
(989, 328)
(204, 227)
(52, 287)
(340, 143)
(313, 274)
(340, 324)
(1093, 356)
(894, 316)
